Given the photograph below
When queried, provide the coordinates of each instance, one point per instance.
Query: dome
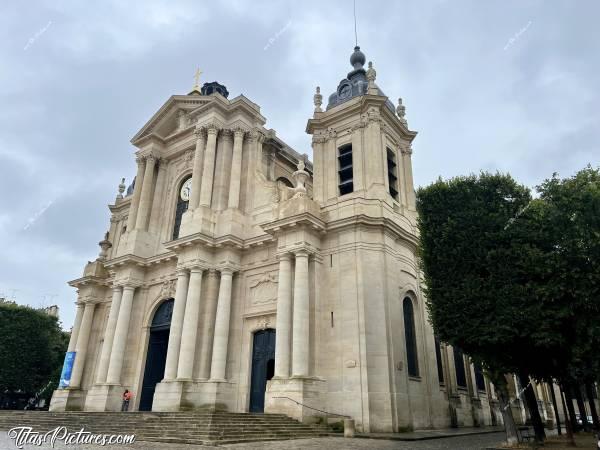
(212, 87)
(358, 58)
(355, 84)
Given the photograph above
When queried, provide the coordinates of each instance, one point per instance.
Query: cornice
(206, 240)
(399, 232)
(89, 280)
(304, 220)
(361, 107)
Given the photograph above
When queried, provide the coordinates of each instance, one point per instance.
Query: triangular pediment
(166, 120)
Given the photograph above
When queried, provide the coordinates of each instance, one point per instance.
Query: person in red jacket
(126, 397)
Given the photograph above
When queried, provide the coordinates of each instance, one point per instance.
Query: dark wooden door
(155, 367)
(263, 367)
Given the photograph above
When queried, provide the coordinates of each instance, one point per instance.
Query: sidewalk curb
(399, 437)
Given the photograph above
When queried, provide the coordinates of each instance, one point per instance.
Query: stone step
(199, 427)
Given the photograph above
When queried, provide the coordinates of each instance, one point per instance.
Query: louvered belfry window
(346, 184)
(392, 170)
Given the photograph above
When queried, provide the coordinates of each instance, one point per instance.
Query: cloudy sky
(489, 85)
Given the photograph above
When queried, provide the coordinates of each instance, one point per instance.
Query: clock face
(185, 190)
(345, 91)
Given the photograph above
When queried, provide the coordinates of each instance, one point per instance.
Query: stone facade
(246, 235)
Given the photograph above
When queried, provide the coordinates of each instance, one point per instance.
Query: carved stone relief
(263, 289)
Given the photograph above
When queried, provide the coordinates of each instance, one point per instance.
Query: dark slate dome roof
(355, 84)
(212, 87)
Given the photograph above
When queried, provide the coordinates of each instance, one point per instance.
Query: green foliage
(512, 281)
(31, 351)
(571, 219)
(474, 301)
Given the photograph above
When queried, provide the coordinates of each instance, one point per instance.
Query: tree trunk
(568, 418)
(512, 436)
(589, 391)
(534, 412)
(581, 408)
(551, 384)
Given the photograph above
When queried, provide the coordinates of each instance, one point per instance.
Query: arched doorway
(156, 357)
(263, 367)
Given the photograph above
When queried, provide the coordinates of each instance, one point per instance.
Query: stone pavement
(465, 442)
(422, 435)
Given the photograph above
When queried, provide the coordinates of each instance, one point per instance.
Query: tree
(477, 272)
(32, 350)
(572, 221)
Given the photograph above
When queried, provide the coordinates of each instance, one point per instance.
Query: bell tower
(361, 143)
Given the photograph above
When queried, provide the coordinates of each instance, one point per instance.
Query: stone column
(408, 177)
(236, 170)
(221, 339)
(358, 157)
(197, 170)
(141, 222)
(284, 317)
(208, 327)
(181, 289)
(189, 333)
(208, 172)
(76, 327)
(109, 335)
(120, 340)
(157, 211)
(82, 344)
(376, 172)
(319, 168)
(300, 333)
(137, 191)
(255, 140)
(222, 170)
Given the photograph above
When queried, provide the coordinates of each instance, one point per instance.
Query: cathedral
(239, 275)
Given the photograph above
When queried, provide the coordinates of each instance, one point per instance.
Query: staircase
(203, 428)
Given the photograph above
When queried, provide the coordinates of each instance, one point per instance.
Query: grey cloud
(72, 100)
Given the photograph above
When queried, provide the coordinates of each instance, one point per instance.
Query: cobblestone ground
(474, 442)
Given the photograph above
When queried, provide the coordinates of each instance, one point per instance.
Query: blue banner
(65, 376)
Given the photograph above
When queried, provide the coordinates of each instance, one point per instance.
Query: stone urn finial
(318, 99)
(121, 188)
(300, 177)
(401, 111)
(104, 244)
(371, 76)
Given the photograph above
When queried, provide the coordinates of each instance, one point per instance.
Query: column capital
(211, 129)
(226, 134)
(117, 287)
(129, 287)
(284, 256)
(197, 269)
(151, 158)
(200, 132)
(140, 160)
(180, 271)
(238, 132)
(302, 252)
(257, 135)
(406, 150)
(227, 270)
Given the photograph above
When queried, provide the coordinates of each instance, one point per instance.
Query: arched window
(183, 201)
(459, 364)
(285, 182)
(438, 358)
(410, 338)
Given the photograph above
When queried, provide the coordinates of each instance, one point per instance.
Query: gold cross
(197, 77)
